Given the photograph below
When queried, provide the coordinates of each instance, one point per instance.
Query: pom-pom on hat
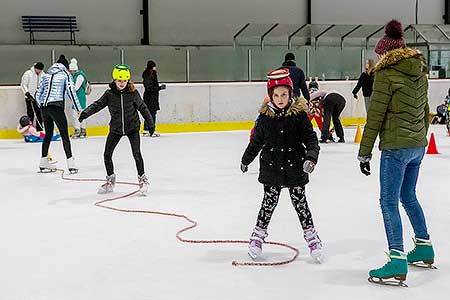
(73, 66)
(392, 39)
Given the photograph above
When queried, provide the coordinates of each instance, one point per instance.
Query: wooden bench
(34, 24)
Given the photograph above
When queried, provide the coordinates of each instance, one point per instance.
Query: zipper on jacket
(49, 90)
(123, 121)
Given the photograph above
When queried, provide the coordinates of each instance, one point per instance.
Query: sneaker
(422, 252)
(396, 267)
(82, 133)
(46, 165)
(71, 165)
(76, 134)
(143, 184)
(256, 242)
(108, 186)
(314, 243)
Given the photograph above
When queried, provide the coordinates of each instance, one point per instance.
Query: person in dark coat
(123, 102)
(365, 82)
(151, 94)
(297, 76)
(289, 152)
(333, 104)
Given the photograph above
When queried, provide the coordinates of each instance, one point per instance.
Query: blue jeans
(399, 170)
(146, 126)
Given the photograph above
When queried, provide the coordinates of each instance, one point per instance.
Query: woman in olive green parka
(398, 114)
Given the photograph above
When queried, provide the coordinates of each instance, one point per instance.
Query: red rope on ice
(193, 223)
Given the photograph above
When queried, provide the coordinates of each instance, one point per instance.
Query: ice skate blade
(424, 265)
(253, 255)
(393, 281)
(46, 170)
(103, 192)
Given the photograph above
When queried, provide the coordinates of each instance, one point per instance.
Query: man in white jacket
(29, 84)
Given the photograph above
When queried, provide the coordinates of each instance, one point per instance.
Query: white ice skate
(143, 184)
(256, 242)
(156, 134)
(146, 133)
(71, 166)
(314, 244)
(108, 186)
(45, 166)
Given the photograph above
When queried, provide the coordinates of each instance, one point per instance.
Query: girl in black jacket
(290, 151)
(365, 82)
(123, 102)
(151, 94)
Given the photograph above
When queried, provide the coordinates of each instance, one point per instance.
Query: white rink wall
(204, 102)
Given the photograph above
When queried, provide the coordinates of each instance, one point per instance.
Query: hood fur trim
(394, 56)
(296, 107)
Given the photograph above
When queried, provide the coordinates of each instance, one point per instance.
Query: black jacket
(123, 107)
(287, 139)
(366, 82)
(151, 93)
(298, 79)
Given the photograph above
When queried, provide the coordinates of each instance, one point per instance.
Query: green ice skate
(422, 253)
(396, 267)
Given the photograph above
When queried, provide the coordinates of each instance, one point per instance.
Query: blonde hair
(370, 66)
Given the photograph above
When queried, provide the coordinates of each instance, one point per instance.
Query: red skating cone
(432, 149)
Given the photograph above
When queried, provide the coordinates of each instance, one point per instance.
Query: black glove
(244, 168)
(83, 116)
(29, 97)
(355, 96)
(365, 168)
(162, 86)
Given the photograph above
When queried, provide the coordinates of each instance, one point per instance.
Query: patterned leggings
(270, 201)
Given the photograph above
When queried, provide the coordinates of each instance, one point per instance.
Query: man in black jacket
(297, 76)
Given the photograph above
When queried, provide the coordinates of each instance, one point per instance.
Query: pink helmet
(279, 77)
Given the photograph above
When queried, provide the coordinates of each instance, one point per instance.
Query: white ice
(55, 244)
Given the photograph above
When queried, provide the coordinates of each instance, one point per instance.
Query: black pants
(270, 201)
(55, 114)
(333, 105)
(33, 108)
(111, 142)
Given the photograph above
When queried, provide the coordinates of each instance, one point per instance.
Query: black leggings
(55, 114)
(111, 142)
(270, 201)
(32, 109)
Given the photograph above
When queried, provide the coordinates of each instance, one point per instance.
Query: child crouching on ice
(290, 151)
(124, 102)
(29, 132)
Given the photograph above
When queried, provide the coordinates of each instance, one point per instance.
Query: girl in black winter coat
(289, 151)
(151, 94)
(123, 102)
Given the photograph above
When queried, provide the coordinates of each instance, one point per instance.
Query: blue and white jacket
(56, 86)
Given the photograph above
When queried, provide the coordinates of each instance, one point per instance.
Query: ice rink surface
(55, 244)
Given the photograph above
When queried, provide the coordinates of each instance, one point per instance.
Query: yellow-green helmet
(121, 72)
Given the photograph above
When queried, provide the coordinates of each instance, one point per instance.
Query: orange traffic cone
(358, 135)
(432, 149)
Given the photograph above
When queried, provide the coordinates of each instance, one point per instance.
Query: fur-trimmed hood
(296, 106)
(405, 60)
